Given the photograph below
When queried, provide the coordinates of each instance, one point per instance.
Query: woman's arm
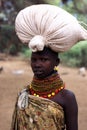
(71, 111)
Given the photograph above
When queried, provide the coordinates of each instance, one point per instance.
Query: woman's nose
(38, 63)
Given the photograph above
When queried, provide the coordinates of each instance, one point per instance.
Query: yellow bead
(53, 93)
(30, 86)
(61, 87)
(49, 95)
(34, 94)
(37, 95)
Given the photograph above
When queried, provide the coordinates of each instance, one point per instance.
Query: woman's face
(43, 64)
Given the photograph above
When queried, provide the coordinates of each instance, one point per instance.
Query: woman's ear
(57, 61)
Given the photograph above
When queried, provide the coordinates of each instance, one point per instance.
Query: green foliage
(20, 4)
(26, 52)
(76, 56)
(54, 2)
(73, 7)
(9, 43)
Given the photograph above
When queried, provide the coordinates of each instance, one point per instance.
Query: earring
(56, 68)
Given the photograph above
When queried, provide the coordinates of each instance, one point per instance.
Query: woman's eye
(44, 59)
(33, 60)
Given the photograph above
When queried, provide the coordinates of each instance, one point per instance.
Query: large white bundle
(48, 25)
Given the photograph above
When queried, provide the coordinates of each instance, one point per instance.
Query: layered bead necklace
(48, 87)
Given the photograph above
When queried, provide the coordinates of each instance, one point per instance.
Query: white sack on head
(48, 25)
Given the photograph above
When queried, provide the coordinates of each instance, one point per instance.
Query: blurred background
(10, 44)
(15, 71)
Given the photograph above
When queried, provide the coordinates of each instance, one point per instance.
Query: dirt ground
(16, 73)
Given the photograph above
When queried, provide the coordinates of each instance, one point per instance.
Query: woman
(43, 114)
(45, 104)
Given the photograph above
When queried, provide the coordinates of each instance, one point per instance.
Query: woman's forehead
(45, 52)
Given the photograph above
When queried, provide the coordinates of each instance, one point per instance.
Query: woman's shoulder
(68, 97)
(65, 97)
(22, 98)
(67, 93)
(23, 89)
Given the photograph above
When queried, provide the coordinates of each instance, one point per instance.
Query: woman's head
(43, 62)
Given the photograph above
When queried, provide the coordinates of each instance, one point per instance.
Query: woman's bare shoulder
(65, 98)
(67, 93)
(68, 97)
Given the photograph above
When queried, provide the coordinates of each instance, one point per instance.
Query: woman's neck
(47, 87)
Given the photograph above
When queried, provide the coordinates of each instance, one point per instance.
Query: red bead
(45, 96)
(56, 91)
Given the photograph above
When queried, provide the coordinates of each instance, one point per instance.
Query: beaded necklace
(48, 87)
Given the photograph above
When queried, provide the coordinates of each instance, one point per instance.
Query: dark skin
(42, 64)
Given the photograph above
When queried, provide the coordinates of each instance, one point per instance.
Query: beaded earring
(56, 68)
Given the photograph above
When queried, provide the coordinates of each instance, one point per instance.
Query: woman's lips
(38, 72)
